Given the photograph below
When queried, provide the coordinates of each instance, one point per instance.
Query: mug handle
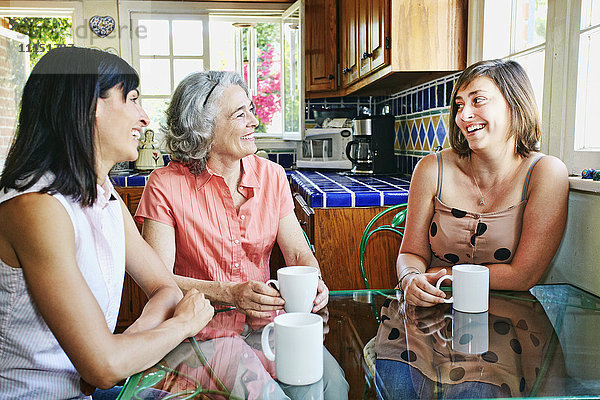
(439, 283)
(264, 340)
(437, 333)
(275, 282)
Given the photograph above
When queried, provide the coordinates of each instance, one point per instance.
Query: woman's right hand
(195, 310)
(255, 299)
(420, 290)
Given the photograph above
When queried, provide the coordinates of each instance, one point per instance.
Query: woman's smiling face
(483, 115)
(118, 126)
(234, 127)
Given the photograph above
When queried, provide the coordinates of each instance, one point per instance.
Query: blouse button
(236, 265)
(236, 241)
(242, 217)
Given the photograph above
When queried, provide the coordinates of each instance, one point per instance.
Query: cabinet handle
(346, 70)
(331, 76)
(303, 223)
(366, 55)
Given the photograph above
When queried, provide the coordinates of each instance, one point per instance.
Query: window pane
(182, 68)
(590, 13)
(187, 38)
(530, 23)
(222, 46)
(588, 103)
(496, 23)
(155, 108)
(291, 56)
(155, 76)
(533, 63)
(156, 39)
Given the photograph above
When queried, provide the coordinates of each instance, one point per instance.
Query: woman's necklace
(482, 202)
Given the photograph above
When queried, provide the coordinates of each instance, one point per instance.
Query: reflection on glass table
(541, 343)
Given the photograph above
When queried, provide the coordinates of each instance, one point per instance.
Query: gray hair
(191, 115)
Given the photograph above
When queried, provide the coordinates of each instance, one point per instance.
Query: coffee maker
(371, 149)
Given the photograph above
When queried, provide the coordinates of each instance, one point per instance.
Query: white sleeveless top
(32, 363)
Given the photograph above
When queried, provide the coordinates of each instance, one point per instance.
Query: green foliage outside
(43, 33)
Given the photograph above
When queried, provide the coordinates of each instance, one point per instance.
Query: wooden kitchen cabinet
(373, 33)
(133, 298)
(321, 45)
(386, 46)
(348, 42)
(336, 233)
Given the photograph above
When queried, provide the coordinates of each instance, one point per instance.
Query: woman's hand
(420, 290)
(322, 296)
(255, 299)
(195, 309)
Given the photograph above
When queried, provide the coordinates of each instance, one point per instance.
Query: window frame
(262, 11)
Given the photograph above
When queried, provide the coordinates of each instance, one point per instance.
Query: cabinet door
(379, 30)
(348, 41)
(364, 59)
(305, 216)
(321, 45)
(374, 27)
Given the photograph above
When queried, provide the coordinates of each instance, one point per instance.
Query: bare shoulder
(426, 168)
(31, 211)
(549, 174)
(550, 168)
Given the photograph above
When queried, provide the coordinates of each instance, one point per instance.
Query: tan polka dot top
(463, 237)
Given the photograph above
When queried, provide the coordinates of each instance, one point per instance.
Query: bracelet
(404, 276)
(416, 272)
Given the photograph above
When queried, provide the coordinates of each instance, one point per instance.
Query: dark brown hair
(55, 132)
(512, 81)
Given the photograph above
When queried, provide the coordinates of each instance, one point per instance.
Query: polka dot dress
(462, 237)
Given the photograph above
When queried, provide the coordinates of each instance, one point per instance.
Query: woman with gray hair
(214, 213)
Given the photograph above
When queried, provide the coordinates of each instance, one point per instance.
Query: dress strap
(526, 184)
(438, 157)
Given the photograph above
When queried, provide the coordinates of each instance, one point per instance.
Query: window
(166, 50)
(588, 85)
(525, 23)
(263, 45)
(572, 122)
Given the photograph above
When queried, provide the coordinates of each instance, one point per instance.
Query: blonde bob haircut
(512, 81)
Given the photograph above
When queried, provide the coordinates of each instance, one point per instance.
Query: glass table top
(544, 343)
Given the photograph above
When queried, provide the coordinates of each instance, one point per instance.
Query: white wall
(578, 258)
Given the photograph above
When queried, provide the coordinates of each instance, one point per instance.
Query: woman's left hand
(322, 296)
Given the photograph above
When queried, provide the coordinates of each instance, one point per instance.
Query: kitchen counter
(323, 189)
(130, 179)
(335, 189)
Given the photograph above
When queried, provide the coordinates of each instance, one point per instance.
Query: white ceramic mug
(470, 288)
(469, 332)
(298, 347)
(298, 287)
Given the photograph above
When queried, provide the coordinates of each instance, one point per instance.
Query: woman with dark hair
(66, 238)
(492, 198)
